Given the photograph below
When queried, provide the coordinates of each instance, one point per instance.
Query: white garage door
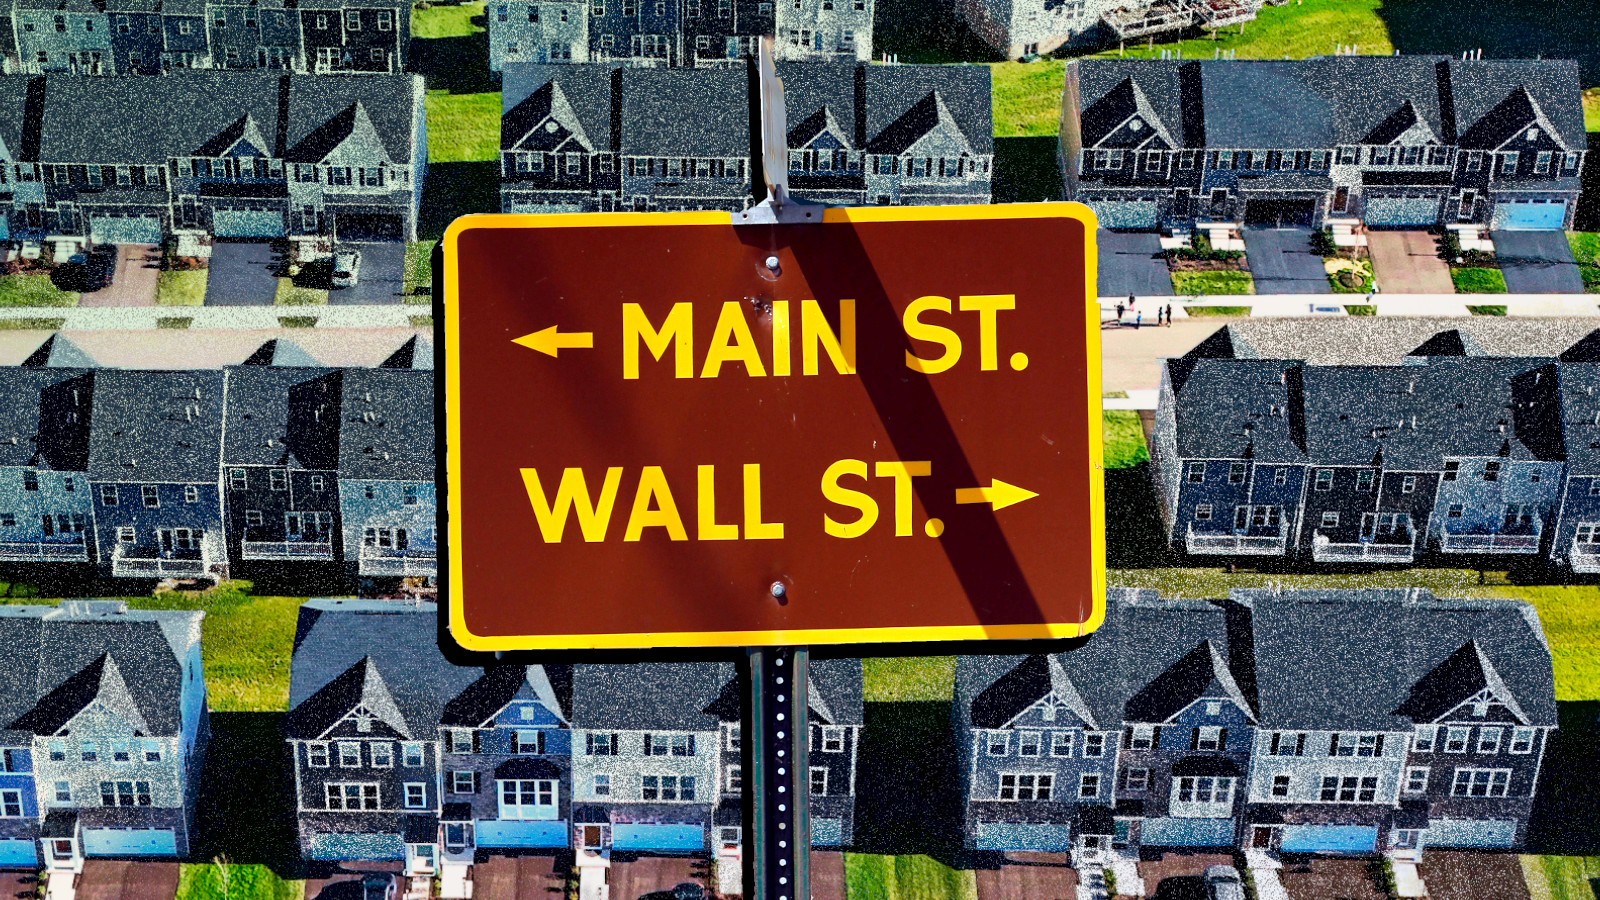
(1476, 833)
(129, 842)
(1401, 212)
(246, 223)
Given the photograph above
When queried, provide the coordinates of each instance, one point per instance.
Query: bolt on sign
(668, 430)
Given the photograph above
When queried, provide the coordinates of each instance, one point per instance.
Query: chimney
(1413, 422)
(197, 392)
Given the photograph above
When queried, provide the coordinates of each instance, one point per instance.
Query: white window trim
(422, 795)
(311, 751)
(1016, 788)
(1532, 736)
(1004, 743)
(1412, 774)
(832, 734)
(1470, 771)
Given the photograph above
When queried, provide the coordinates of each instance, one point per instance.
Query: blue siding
(522, 834)
(28, 508)
(386, 508)
(23, 783)
(1176, 832)
(657, 837)
(173, 511)
(1014, 836)
(1329, 838)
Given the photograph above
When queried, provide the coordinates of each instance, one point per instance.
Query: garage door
(658, 837)
(827, 832)
(247, 223)
(1125, 213)
(1176, 832)
(356, 846)
(369, 228)
(129, 842)
(1329, 838)
(522, 834)
(1529, 215)
(1018, 836)
(125, 229)
(19, 853)
(536, 208)
(1401, 212)
(1477, 833)
(1280, 213)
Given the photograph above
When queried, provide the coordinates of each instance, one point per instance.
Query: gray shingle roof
(813, 91)
(152, 426)
(415, 353)
(281, 352)
(837, 683)
(388, 102)
(1386, 340)
(400, 645)
(644, 696)
(550, 685)
(386, 425)
(14, 93)
(1580, 417)
(258, 413)
(685, 112)
(1352, 659)
(1479, 88)
(1231, 409)
(19, 414)
(899, 104)
(527, 97)
(59, 352)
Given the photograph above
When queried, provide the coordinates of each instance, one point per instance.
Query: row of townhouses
(1446, 451)
(153, 37)
(676, 33)
(603, 136)
(194, 473)
(1401, 141)
(1025, 29)
(401, 755)
(1354, 721)
(243, 155)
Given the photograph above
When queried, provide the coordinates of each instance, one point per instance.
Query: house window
(1208, 738)
(529, 799)
(63, 792)
(382, 754)
(1330, 519)
(1452, 468)
(119, 752)
(1186, 160)
(1141, 737)
(349, 754)
(530, 741)
(108, 495)
(1508, 162)
(1488, 740)
(600, 744)
(1348, 789)
(1288, 743)
(8, 520)
(1408, 484)
(416, 795)
(819, 781)
(1094, 745)
(667, 787)
(731, 740)
(67, 484)
(352, 19)
(58, 751)
(352, 796)
(318, 483)
(1541, 163)
(999, 743)
(1088, 786)
(463, 782)
(1416, 779)
(735, 778)
(1236, 473)
(461, 740)
(191, 494)
(1324, 479)
(1423, 742)
(1028, 743)
(1026, 786)
(674, 744)
(1365, 745)
(253, 517)
(385, 20)
(1455, 510)
(411, 754)
(124, 793)
(1280, 786)
(88, 752)
(1138, 779)
(152, 497)
(1456, 740)
(317, 755)
(1571, 161)
(409, 497)
(1197, 472)
(125, 534)
(1202, 797)
(1061, 743)
(1280, 476)
(1480, 783)
(602, 785)
(1364, 480)
(832, 739)
(1202, 512)
(1521, 740)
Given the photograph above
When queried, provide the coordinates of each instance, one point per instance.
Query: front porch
(171, 564)
(1396, 548)
(44, 551)
(1585, 555)
(412, 561)
(1523, 539)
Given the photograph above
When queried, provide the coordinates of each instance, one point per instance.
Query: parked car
(1223, 883)
(93, 270)
(346, 268)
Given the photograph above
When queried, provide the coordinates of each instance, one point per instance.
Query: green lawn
(463, 127)
(182, 288)
(1225, 281)
(872, 877)
(290, 294)
(908, 678)
(1027, 97)
(1123, 439)
(1361, 309)
(419, 272)
(1296, 30)
(203, 881)
(1586, 250)
(33, 290)
(1478, 281)
(1591, 109)
(446, 21)
(1490, 310)
(1560, 877)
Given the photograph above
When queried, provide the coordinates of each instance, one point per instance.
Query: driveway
(1537, 262)
(1131, 263)
(111, 879)
(1180, 876)
(519, 878)
(631, 879)
(242, 274)
(134, 282)
(24, 886)
(1282, 261)
(1464, 875)
(1407, 262)
(827, 875)
(1029, 876)
(381, 279)
(1313, 878)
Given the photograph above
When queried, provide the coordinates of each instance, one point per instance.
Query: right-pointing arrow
(998, 493)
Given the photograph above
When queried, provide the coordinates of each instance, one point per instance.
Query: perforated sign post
(667, 430)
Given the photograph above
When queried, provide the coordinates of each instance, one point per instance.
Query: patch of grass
(873, 877)
(908, 678)
(33, 290)
(1478, 281)
(1487, 310)
(297, 321)
(1203, 311)
(1560, 877)
(1360, 309)
(31, 324)
(1123, 439)
(1591, 109)
(463, 127)
(421, 321)
(1586, 251)
(291, 294)
(1296, 30)
(1349, 276)
(418, 280)
(182, 288)
(203, 881)
(175, 322)
(1027, 97)
(1224, 281)
(446, 21)
(247, 644)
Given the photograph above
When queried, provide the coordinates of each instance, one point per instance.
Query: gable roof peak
(58, 352)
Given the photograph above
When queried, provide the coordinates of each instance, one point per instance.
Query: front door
(1406, 838)
(1261, 838)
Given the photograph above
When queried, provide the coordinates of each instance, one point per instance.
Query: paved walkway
(134, 282)
(827, 875)
(128, 317)
(1407, 262)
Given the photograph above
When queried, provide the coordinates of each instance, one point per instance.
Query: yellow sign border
(797, 637)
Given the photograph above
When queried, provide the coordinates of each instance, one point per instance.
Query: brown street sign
(667, 430)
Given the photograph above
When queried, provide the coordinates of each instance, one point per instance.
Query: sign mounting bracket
(778, 208)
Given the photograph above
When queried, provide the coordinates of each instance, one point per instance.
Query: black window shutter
(1222, 739)
(1300, 744)
(647, 744)
(1127, 738)
(1379, 751)
(691, 745)
(613, 747)
(1333, 745)
(1277, 738)
(1155, 738)
(541, 740)
(475, 735)
(1194, 739)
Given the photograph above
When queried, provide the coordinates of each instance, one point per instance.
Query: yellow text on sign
(733, 341)
(653, 506)
(987, 306)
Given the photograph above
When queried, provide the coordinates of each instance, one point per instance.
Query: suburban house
(1239, 726)
(154, 452)
(675, 33)
(241, 155)
(368, 690)
(280, 509)
(1450, 451)
(152, 37)
(105, 729)
(1401, 141)
(647, 742)
(601, 137)
(45, 499)
(833, 694)
(1572, 395)
(1026, 29)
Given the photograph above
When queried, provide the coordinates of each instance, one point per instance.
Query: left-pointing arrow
(550, 340)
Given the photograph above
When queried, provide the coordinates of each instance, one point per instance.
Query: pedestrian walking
(1120, 308)
(1158, 315)
(1169, 315)
(1138, 317)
